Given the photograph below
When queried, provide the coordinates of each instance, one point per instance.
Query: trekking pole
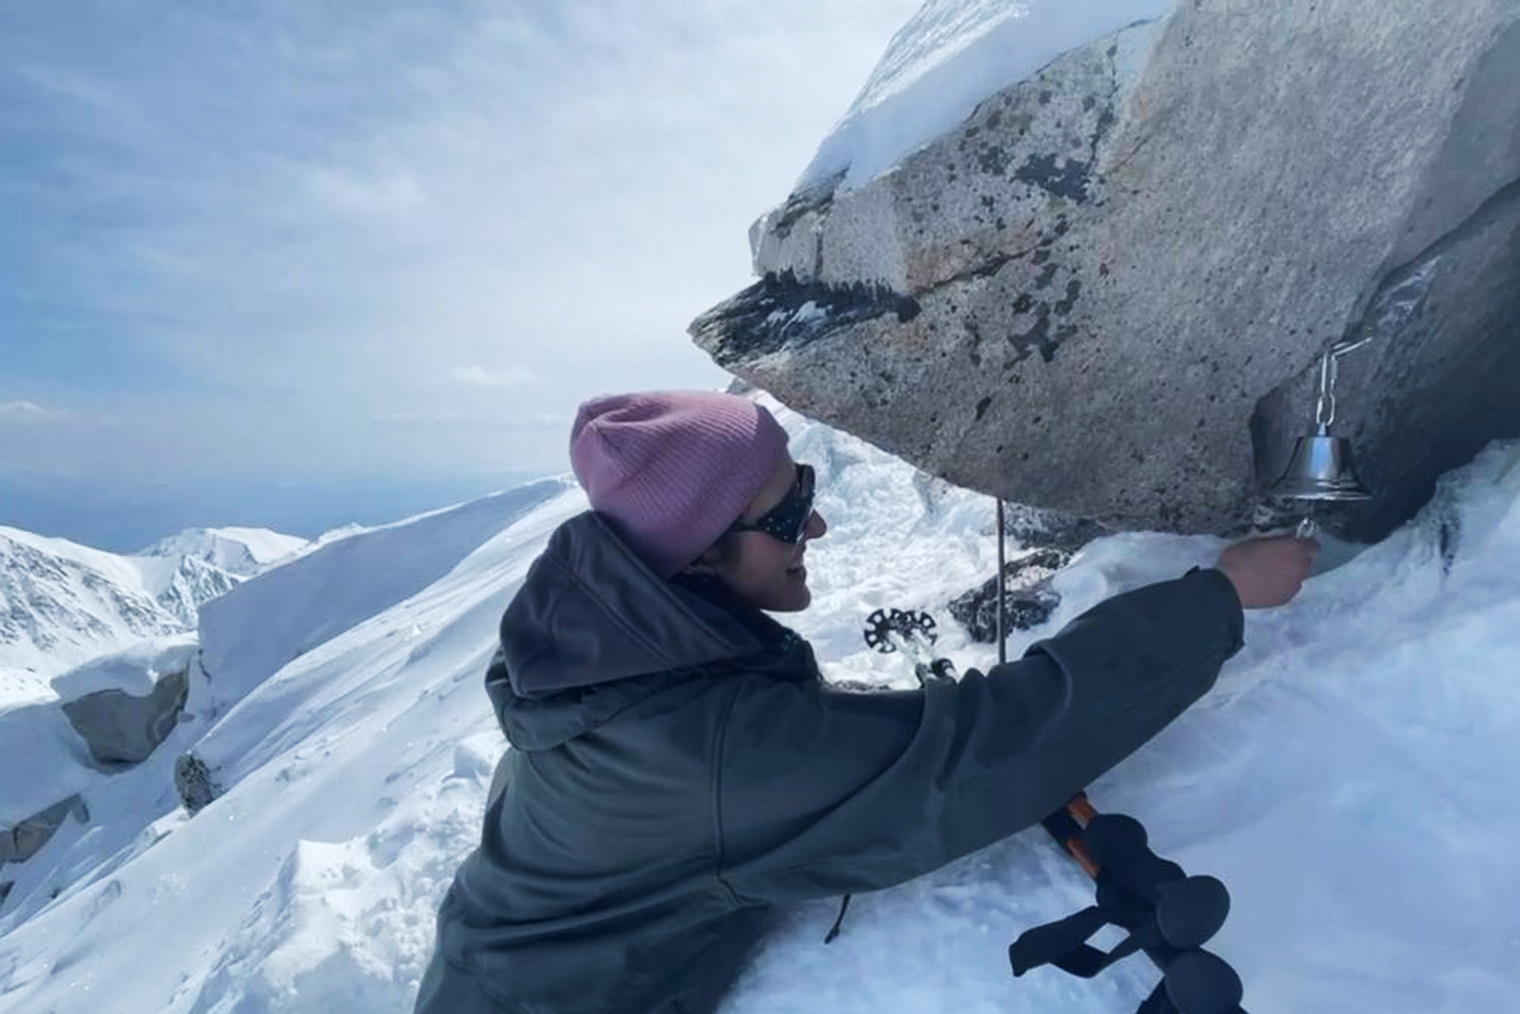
(1168, 915)
(1066, 826)
(1002, 608)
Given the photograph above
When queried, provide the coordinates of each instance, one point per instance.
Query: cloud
(26, 412)
(479, 376)
(449, 417)
(384, 196)
(409, 418)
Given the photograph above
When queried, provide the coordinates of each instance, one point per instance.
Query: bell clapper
(1308, 527)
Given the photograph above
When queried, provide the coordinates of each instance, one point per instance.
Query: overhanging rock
(124, 729)
(1107, 291)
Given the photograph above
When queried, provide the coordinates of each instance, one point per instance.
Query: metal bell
(1320, 469)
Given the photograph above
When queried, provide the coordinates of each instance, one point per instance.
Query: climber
(678, 768)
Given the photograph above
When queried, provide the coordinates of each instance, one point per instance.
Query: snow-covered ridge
(251, 633)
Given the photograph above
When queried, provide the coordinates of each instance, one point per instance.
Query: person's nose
(816, 526)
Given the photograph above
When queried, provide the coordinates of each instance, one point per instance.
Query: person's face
(763, 570)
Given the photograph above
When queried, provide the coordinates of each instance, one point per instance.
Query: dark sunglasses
(788, 519)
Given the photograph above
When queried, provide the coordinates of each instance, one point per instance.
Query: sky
(298, 264)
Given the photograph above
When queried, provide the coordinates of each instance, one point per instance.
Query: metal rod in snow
(1002, 628)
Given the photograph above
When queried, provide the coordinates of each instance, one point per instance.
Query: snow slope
(947, 58)
(1340, 779)
(249, 634)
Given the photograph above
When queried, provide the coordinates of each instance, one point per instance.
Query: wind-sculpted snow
(44, 758)
(363, 902)
(246, 636)
(1340, 780)
(949, 56)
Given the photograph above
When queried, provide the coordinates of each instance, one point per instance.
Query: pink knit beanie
(673, 469)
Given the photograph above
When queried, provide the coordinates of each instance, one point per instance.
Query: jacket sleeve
(821, 792)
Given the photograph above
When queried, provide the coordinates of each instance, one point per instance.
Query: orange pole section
(1082, 811)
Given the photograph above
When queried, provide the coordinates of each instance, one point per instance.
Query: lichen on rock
(1124, 270)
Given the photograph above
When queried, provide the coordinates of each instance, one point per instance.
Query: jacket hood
(591, 616)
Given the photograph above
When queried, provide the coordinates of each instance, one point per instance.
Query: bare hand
(1268, 571)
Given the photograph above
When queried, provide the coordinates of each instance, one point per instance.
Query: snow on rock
(1340, 780)
(948, 57)
(135, 670)
(125, 728)
(61, 739)
(1098, 293)
(107, 712)
(44, 760)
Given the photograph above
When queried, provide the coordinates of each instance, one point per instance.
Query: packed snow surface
(1345, 779)
(947, 58)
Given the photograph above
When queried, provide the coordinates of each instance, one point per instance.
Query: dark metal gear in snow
(890, 630)
(1168, 915)
(904, 623)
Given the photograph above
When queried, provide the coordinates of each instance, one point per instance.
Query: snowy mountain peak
(62, 603)
(241, 551)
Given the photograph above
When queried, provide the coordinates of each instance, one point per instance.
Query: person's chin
(794, 597)
(798, 597)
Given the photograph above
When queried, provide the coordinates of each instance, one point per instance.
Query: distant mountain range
(62, 603)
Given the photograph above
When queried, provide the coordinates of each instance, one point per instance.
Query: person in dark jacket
(677, 766)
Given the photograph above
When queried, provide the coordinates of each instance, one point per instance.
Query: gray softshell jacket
(678, 767)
